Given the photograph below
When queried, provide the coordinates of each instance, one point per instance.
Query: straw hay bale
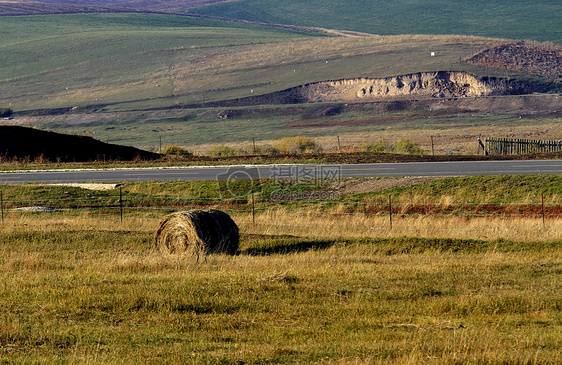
(198, 232)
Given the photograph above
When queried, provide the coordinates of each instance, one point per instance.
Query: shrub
(297, 144)
(406, 147)
(221, 150)
(267, 149)
(176, 151)
(379, 146)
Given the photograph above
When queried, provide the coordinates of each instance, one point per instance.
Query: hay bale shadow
(285, 247)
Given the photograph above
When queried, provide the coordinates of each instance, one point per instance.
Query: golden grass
(334, 224)
(96, 291)
(342, 226)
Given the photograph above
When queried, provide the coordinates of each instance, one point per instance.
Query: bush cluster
(294, 145)
(175, 150)
(402, 146)
(300, 144)
(6, 112)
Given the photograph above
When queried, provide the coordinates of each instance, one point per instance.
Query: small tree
(176, 150)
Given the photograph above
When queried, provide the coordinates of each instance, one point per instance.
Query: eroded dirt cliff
(426, 84)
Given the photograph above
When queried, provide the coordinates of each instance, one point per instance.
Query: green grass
(521, 19)
(481, 189)
(63, 56)
(356, 124)
(478, 190)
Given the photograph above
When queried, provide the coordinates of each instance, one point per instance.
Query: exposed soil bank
(442, 84)
(422, 85)
(407, 92)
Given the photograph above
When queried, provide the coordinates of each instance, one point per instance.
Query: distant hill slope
(133, 61)
(152, 5)
(10, 8)
(84, 59)
(513, 19)
(21, 142)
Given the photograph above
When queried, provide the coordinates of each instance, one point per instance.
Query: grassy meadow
(110, 57)
(453, 130)
(78, 287)
(333, 282)
(520, 19)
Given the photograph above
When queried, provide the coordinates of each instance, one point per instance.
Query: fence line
(508, 146)
(109, 204)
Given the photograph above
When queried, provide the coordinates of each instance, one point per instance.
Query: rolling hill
(518, 19)
(512, 19)
(88, 59)
(93, 6)
(133, 61)
(132, 77)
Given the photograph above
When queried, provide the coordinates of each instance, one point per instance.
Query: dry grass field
(98, 292)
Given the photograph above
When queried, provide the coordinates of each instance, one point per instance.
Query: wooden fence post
(390, 210)
(253, 209)
(121, 202)
(543, 214)
(432, 147)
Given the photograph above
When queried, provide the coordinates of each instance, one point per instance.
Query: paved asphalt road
(465, 168)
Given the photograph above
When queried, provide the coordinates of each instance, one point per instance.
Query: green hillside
(141, 61)
(72, 60)
(539, 20)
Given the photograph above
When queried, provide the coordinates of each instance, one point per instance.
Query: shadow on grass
(279, 245)
(288, 246)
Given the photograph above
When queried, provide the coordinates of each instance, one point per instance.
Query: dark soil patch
(537, 59)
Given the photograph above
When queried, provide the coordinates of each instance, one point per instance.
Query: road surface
(463, 168)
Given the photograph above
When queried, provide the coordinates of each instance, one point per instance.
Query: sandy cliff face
(427, 84)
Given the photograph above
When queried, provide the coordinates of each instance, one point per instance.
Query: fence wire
(131, 207)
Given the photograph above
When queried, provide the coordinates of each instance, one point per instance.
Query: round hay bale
(198, 232)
